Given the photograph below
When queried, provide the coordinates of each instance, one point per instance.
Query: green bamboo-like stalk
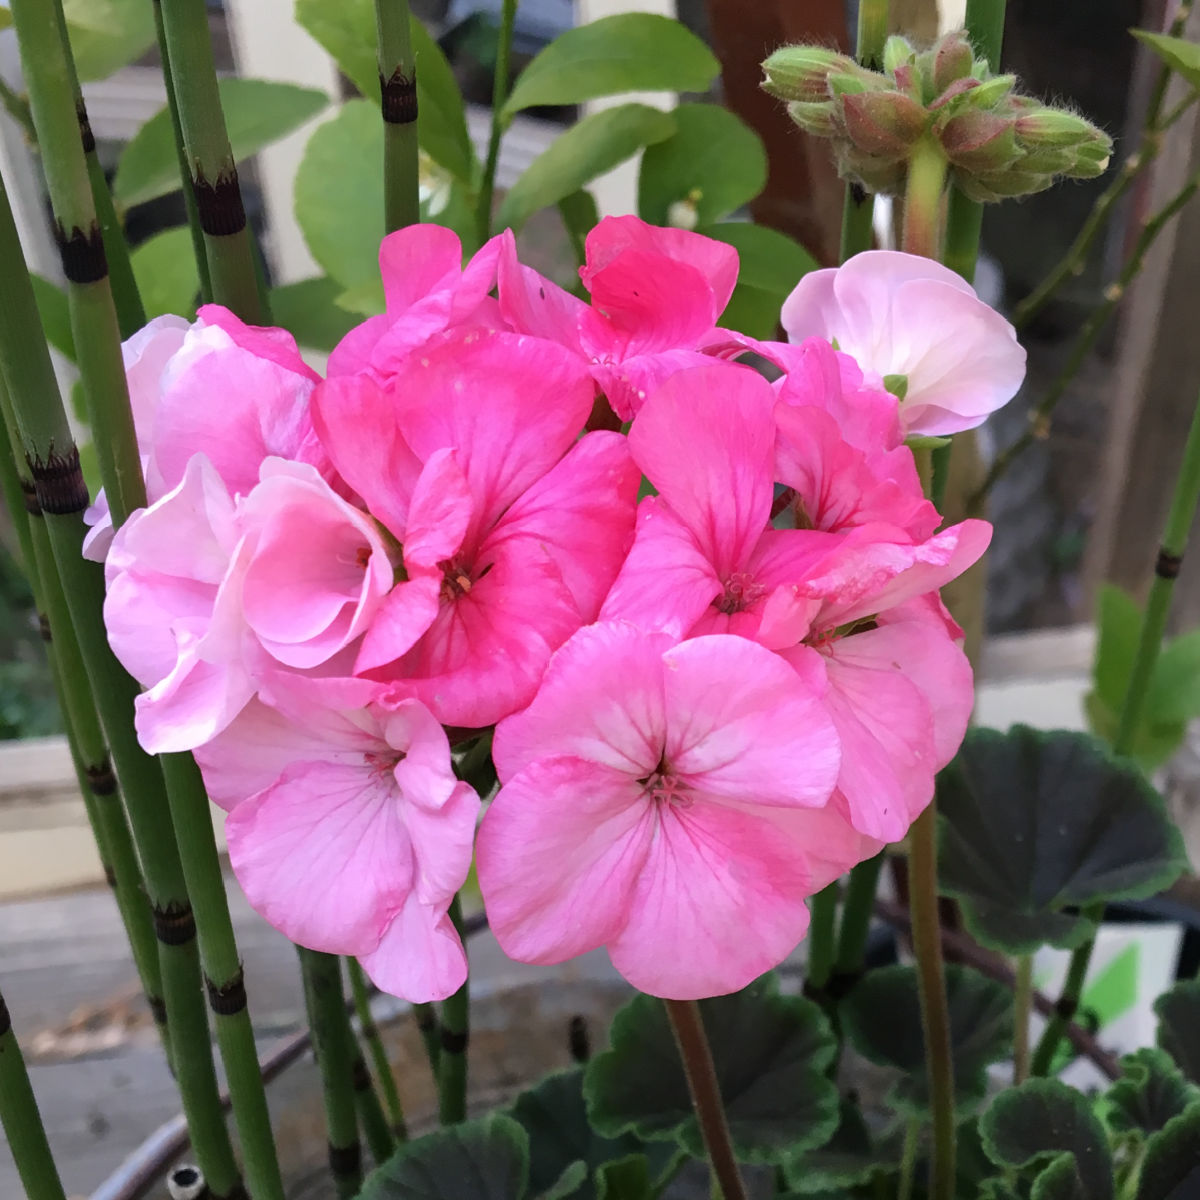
(185, 174)
(221, 213)
(1184, 503)
(398, 102)
(223, 976)
(822, 936)
(22, 1122)
(429, 1026)
(508, 17)
(374, 1040)
(859, 205)
(455, 1034)
(53, 459)
(856, 921)
(374, 1123)
(333, 1045)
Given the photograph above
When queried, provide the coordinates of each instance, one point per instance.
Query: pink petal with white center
(559, 854)
(439, 513)
(706, 440)
(623, 731)
(420, 956)
(324, 855)
(742, 724)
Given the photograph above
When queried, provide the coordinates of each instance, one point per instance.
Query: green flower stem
(22, 1122)
(964, 217)
(1039, 417)
(455, 1033)
(53, 460)
(688, 1028)
(1184, 503)
(1146, 151)
(859, 206)
(426, 1016)
(398, 91)
(821, 938)
(223, 976)
(375, 1126)
(921, 232)
(185, 174)
(335, 1051)
(1022, 1004)
(908, 1160)
(214, 176)
(856, 919)
(17, 107)
(371, 1035)
(508, 16)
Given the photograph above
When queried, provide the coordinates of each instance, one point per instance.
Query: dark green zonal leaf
(55, 313)
(625, 1179)
(1171, 1168)
(165, 269)
(567, 1186)
(339, 194)
(1049, 1128)
(771, 1054)
(770, 264)
(479, 1160)
(713, 163)
(309, 311)
(1180, 55)
(1178, 1014)
(629, 52)
(1035, 825)
(587, 150)
(1151, 1091)
(106, 35)
(257, 113)
(851, 1158)
(881, 1018)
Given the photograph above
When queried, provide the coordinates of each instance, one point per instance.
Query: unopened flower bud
(991, 92)
(959, 87)
(1053, 127)
(953, 60)
(685, 214)
(885, 124)
(1091, 159)
(897, 51)
(818, 119)
(979, 141)
(882, 176)
(802, 72)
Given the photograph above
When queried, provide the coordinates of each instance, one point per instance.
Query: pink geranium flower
(665, 801)
(351, 834)
(512, 530)
(656, 296)
(902, 315)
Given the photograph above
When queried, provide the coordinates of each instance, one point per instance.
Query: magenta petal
(400, 621)
(416, 261)
(530, 303)
(420, 956)
(439, 513)
(558, 857)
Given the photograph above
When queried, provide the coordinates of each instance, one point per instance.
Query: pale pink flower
(900, 314)
(656, 296)
(512, 530)
(665, 801)
(205, 591)
(357, 834)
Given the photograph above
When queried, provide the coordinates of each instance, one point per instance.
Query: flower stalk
(398, 101)
(688, 1028)
(508, 17)
(1022, 1005)
(370, 1034)
(921, 233)
(856, 921)
(822, 936)
(858, 208)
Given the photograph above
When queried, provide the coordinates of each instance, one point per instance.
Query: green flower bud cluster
(997, 143)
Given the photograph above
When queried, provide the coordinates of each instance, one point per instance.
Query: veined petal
(420, 956)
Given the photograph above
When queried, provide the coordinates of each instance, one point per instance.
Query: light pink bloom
(205, 591)
(512, 530)
(358, 835)
(900, 314)
(656, 296)
(665, 801)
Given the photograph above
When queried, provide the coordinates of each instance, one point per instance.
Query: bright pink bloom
(665, 801)
(205, 592)
(358, 835)
(900, 314)
(656, 296)
(512, 530)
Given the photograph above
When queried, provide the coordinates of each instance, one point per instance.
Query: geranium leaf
(1171, 1167)
(1178, 1012)
(1151, 1091)
(854, 1156)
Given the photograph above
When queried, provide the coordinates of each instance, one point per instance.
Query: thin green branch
(1022, 1006)
(17, 107)
(508, 16)
(375, 1126)
(370, 1034)
(822, 933)
(429, 1027)
(856, 919)
(398, 99)
(921, 232)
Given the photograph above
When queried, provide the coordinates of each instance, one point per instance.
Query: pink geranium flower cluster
(707, 704)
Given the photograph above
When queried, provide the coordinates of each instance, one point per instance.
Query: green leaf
(347, 30)
(580, 216)
(881, 1018)
(55, 313)
(625, 1179)
(771, 1054)
(309, 311)
(567, 1185)
(257, 113)
(853, 1157)
(164, 267)
(629, 52)
(714, 162)
(5, 18)
(1171, 1168)
(106, 35)
(1175, 684)
(1150, 1092)
(1178, 1012)
(1050, 1128)
(479, 1160)
(339, 194)
(1179, 54)
(588, 149)
(770, 265)
(1037, 825)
